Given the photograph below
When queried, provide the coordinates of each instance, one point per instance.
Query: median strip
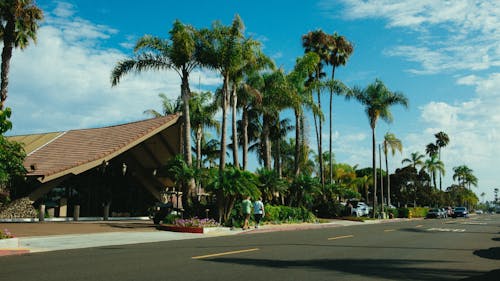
(340, 237)
(225, 253)
(420, 225)
(389, 230)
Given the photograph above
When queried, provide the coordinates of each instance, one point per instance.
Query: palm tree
(176, 53)
(394, 144)
(300, 98)
(415, 160)
(442, 140)
(223, 49)
(318, 42)
(464, 175)
(433, 165)
(18, 24)
(168, 107)
(340, 51)
(378, 99)
(202, 116)
(431, 149)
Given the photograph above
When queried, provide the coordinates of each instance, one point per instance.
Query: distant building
(118, 166)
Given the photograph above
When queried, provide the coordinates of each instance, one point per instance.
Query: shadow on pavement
(383, 268)
(134, 225)
(488, 276)
(491, 253)
(496, 239)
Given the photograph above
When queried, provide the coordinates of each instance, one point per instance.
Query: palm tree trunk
(245, 137)
(374, 174)
(331, 118)
(320, 144)
(297, 143)
(235, 131)
(381, 179)
(186, 93)
(8, 41)
(267, 143)
(440, 181)
(199, 136)
(222, 155)
(388, 177)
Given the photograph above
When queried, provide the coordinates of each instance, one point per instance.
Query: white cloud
(63, 82)
(451, 35)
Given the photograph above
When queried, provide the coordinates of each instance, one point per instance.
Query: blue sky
(443, 55)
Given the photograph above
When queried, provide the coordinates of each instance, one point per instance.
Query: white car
(360, 209)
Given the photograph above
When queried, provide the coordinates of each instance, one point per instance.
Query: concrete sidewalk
(76, 235)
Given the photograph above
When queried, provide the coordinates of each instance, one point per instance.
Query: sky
(443, 55)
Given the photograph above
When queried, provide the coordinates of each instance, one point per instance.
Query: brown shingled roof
(76, 151)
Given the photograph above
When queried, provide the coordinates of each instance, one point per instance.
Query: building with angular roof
(119, 165)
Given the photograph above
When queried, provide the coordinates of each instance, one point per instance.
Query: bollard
(41, 212)
(76, 212)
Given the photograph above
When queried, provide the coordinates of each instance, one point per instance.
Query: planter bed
(176, 228)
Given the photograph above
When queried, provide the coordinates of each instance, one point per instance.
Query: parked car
(460, 212)
(434, 213)
(479, 212)
(360, 209)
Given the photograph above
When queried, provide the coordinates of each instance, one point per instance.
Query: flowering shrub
(6, 234)
(196, 222)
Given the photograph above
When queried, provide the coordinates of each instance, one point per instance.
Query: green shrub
(279, 214)
(417, 212)
(394, 212)
(170, 219)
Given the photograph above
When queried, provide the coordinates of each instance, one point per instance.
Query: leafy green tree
(11, 153)
(378, 99)
(442, 140)
(271, 186)
(176, 53)
(232, 185)
(394, 144)
(181, 174)
(18, 24)
(303, 190)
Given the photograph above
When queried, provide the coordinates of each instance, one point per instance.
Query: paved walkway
(53, 236)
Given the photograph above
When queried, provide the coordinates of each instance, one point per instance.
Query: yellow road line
(225, 253)
(340, 237)
(389, 230)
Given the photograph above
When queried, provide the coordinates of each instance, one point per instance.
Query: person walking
(246, 209)
(258, 211)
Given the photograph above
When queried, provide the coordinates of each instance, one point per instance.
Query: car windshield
(459, 209)
(434, 210)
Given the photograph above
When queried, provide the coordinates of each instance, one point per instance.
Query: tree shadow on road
(380, 268)
(491, 253)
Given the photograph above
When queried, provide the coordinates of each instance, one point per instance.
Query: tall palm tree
(168, 106)
(415, 160)
(394, 144)
(202, 116)
(378, 99)
(465, 176)
(433, 165)
(247, 83)
(222, 49)
(18, 24)
(318, 42)
(340, 50)
(301, 99)
(442, 140)
(176, 53)
(431, 149)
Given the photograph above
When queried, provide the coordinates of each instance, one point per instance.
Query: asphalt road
(447, 249)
